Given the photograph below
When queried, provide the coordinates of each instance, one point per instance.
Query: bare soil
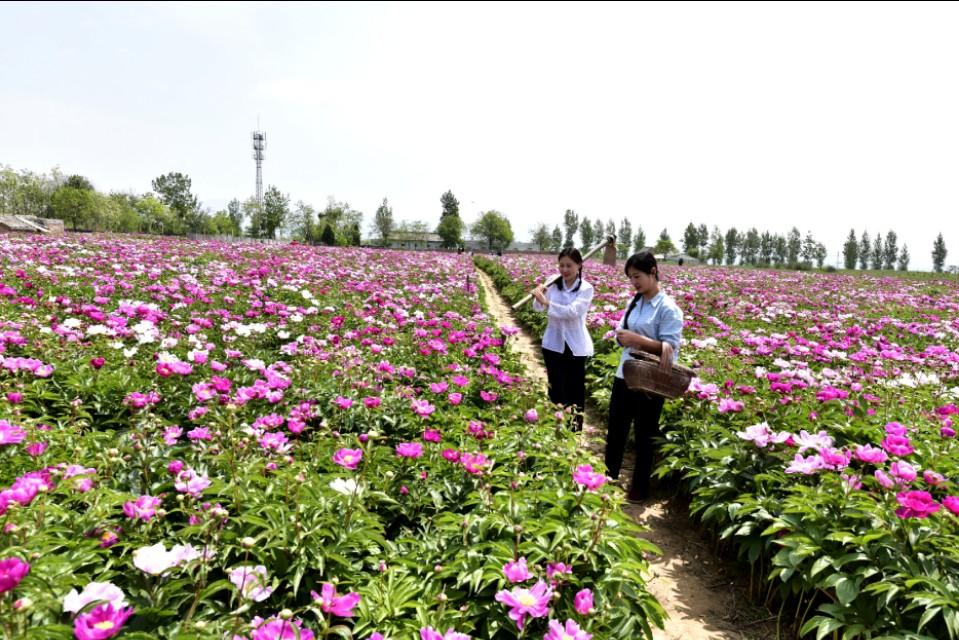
(701, 593)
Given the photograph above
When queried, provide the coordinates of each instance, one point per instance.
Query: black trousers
(627, 408)
(566, 374)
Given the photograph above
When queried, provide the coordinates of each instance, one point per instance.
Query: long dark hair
(573, 254)
(643, 261)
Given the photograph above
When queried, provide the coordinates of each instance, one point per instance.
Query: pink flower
(488, 396)
(461, 381)
(432, 435)
(10, 433)
(571, 631)
(951, 503)
(190, 482)
(531, 416)
(451, 454)
(14, 397)
(516, 571)
(175, 467)
(422, 408)
(428, 633)
(903, 472)
(371, 402)
(12, 571)
(343, 403)
(475, 464)
(897, 445)
(97, 362)
(276, 628)
(36, 449)
(585, 476)
(93, 592)
(338, 605)
(583, 602)
(143, 509)
(884, 480)
(200, 433)
(895, 429)
(870, 454)
(933, 478)
(439, 387)
(455, 398)
(806, 466)
(727, 405)
(348, 458)
(556, 568)
(251, 582)
(409, 450)
(916, 504)
(532, 602)
(103, 622)
(172, 434)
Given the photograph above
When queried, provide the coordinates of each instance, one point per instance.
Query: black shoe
(637, 496)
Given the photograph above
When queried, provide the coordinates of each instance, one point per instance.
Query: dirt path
(702, 601)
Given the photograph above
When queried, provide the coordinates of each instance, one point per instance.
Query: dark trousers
(625, 409)
(566, 374)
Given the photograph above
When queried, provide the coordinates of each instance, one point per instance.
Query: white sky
(824, 116)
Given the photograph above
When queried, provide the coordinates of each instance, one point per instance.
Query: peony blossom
(94, 592)
(348, 458)
(516, 571)
(585, 476)
(583, 602)
(331, 602)
(105, 621)
(533, 602)
(144, 508)
(154, 559)
(569, 631)
(251, 582)
(409, 450)
(12, 571)
(916, 504)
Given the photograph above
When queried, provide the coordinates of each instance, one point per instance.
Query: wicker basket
(642, 373)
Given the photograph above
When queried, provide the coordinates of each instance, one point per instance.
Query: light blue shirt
(659, 319)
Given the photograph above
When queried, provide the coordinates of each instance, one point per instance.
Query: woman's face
(641, 281)
(568, 268)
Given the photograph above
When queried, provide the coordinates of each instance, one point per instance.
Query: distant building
(30, 224)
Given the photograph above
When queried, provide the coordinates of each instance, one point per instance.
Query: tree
(808, 249)
(850, 250)
(904, 259)
(571, 224)
(780, 249)
(451, 206)
(691, 239)
(820, 254)
(939, 254)
(793, 246)
(750, 249)
(624, 238)
(639, 240)
(493, 227)
(610, 228)
(155, 217)
(556, 239)
(864, 250)
(541, 237)
(703, 235)
(875, 257)
(383, 222)
(302, 223)
(450, 229)
(766, 248)
(890, 251)
(355, 239)
(74, 206)
(664, 245)
(253, 211)
(79, 182)
(328, 236)
(235, 212)
(173, 190)
(276, 208)
(733, 240)
(716, 246)
(586, 233)
(340, 217)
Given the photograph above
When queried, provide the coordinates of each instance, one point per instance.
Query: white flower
(345, 486)
(154, 560)
(72, 323)
(94, 592)
(184, 553)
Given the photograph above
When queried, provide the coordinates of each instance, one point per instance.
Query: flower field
(202, 440)
(819, 436)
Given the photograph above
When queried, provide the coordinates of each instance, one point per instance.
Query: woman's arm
(575, 309)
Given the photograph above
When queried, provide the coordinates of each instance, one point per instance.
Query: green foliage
(493, 228)
(76, 207)
(664, 245)
(450, 229)
(939, 254)
(451, 206)
(383, 223)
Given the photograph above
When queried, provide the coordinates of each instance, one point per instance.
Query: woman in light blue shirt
(566, 342)
(652, 323)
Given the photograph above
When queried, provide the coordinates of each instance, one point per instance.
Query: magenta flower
(903, 472)
(432, 435)
(372, 402)
(516, 571)
(200, 433)
(439, 387)
(428, 633)
(451, 454)
(488, 396)
(570, 631)
(895, 429)
(532, 602)
(474, 463)
(276, 628)
(343, 403)
(14, 397)
(916, 504)
(12, 571)
(348, 458)
(338, 605)
(422, 408)
(933, 478)
(455, 398)
(531, 416)
(190, 482)
(36, 449)
(583, 602)
(951, 503)
(585, 476)
(727, 405)
(103, 622)
(143, 509)
(870, 454)
(172, 434)
(883, 479)
(557, 568)
(97, 362)
(409, 450)
(11, 433)
(897, 445)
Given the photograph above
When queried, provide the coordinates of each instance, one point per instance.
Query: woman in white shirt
(653, 323)
(566, 342)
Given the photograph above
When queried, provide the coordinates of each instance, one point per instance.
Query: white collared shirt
(566, 315)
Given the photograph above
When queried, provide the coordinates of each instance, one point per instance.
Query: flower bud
(286, 614)
(441, 597)
(247, 542)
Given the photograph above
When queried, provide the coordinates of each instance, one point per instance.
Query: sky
(823, 116)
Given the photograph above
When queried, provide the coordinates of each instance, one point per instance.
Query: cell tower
(259, 144)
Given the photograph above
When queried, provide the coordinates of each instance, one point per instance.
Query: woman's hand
(629, 339)
(540, 294)
(666, 357)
